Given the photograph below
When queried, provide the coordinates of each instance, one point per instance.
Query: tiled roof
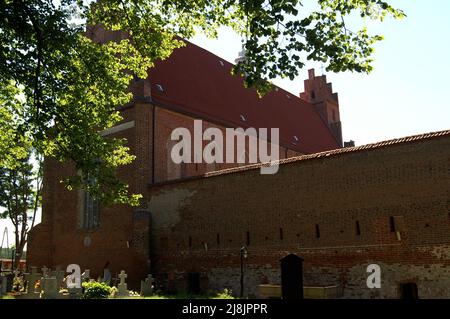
(335, 152)
(388, 143)
(199, 82)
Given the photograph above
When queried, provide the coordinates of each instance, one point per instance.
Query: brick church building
(340, 209)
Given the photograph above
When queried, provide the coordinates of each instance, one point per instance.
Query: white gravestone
(122, 286)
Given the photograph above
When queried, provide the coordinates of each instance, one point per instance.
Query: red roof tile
(200, 83)
(336, 152)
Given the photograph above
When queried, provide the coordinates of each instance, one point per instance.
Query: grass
(225, 294)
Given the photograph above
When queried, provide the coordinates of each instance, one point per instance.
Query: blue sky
(404, 94)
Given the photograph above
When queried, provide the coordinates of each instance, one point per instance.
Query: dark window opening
(313, 94)
(281, 233)
(317, 231)
(358, 228)
(190, 242)
(248, 238)
(218, 239)
(409, 291)
(193, 283)
(392, 224)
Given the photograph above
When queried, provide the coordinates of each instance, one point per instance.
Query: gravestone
(147, 286)
(59, 275)
(3, 284)
(9, 278)
(50, 288)
(122, 286)
(32, 279)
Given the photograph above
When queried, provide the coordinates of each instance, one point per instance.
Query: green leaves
(276, 48)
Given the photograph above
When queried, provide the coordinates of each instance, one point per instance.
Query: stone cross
(122, 286)
(122, 277)
(147, 286)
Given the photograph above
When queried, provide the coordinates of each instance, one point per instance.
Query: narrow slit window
(190, 242)
(248, 238)
(281, 234)
(317, 231)
(358, 228)
(392, 224)
(218, 239)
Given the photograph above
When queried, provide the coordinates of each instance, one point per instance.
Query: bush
(225, 294)
(96, 290)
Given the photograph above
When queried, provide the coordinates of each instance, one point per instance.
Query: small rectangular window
(248, 238)
(358, 228)
(317, 231)
(218, 239)
(392, 224)
(190, 242)
(281, 233)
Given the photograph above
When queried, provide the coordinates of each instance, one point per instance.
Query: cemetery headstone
(122, 286)
(147, 286)
(50, 288)
(59, 275)
(32, 279)
(3, 284)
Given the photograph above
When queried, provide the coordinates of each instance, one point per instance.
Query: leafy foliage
(96, 290)
(20, 195)
(59, 87)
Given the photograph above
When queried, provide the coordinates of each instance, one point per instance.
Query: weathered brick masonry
(340, 210)
(386, 203)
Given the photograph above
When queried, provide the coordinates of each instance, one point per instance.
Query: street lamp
(244, 254)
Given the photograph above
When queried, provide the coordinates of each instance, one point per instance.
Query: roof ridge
(401, 140)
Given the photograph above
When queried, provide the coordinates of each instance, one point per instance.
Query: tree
(20, 194)
(71, 85)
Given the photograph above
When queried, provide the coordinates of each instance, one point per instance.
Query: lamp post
(243, 254)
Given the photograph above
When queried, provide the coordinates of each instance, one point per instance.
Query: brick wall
(200, 225)
(122, 238)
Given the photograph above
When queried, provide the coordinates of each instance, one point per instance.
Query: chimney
(320, 94)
